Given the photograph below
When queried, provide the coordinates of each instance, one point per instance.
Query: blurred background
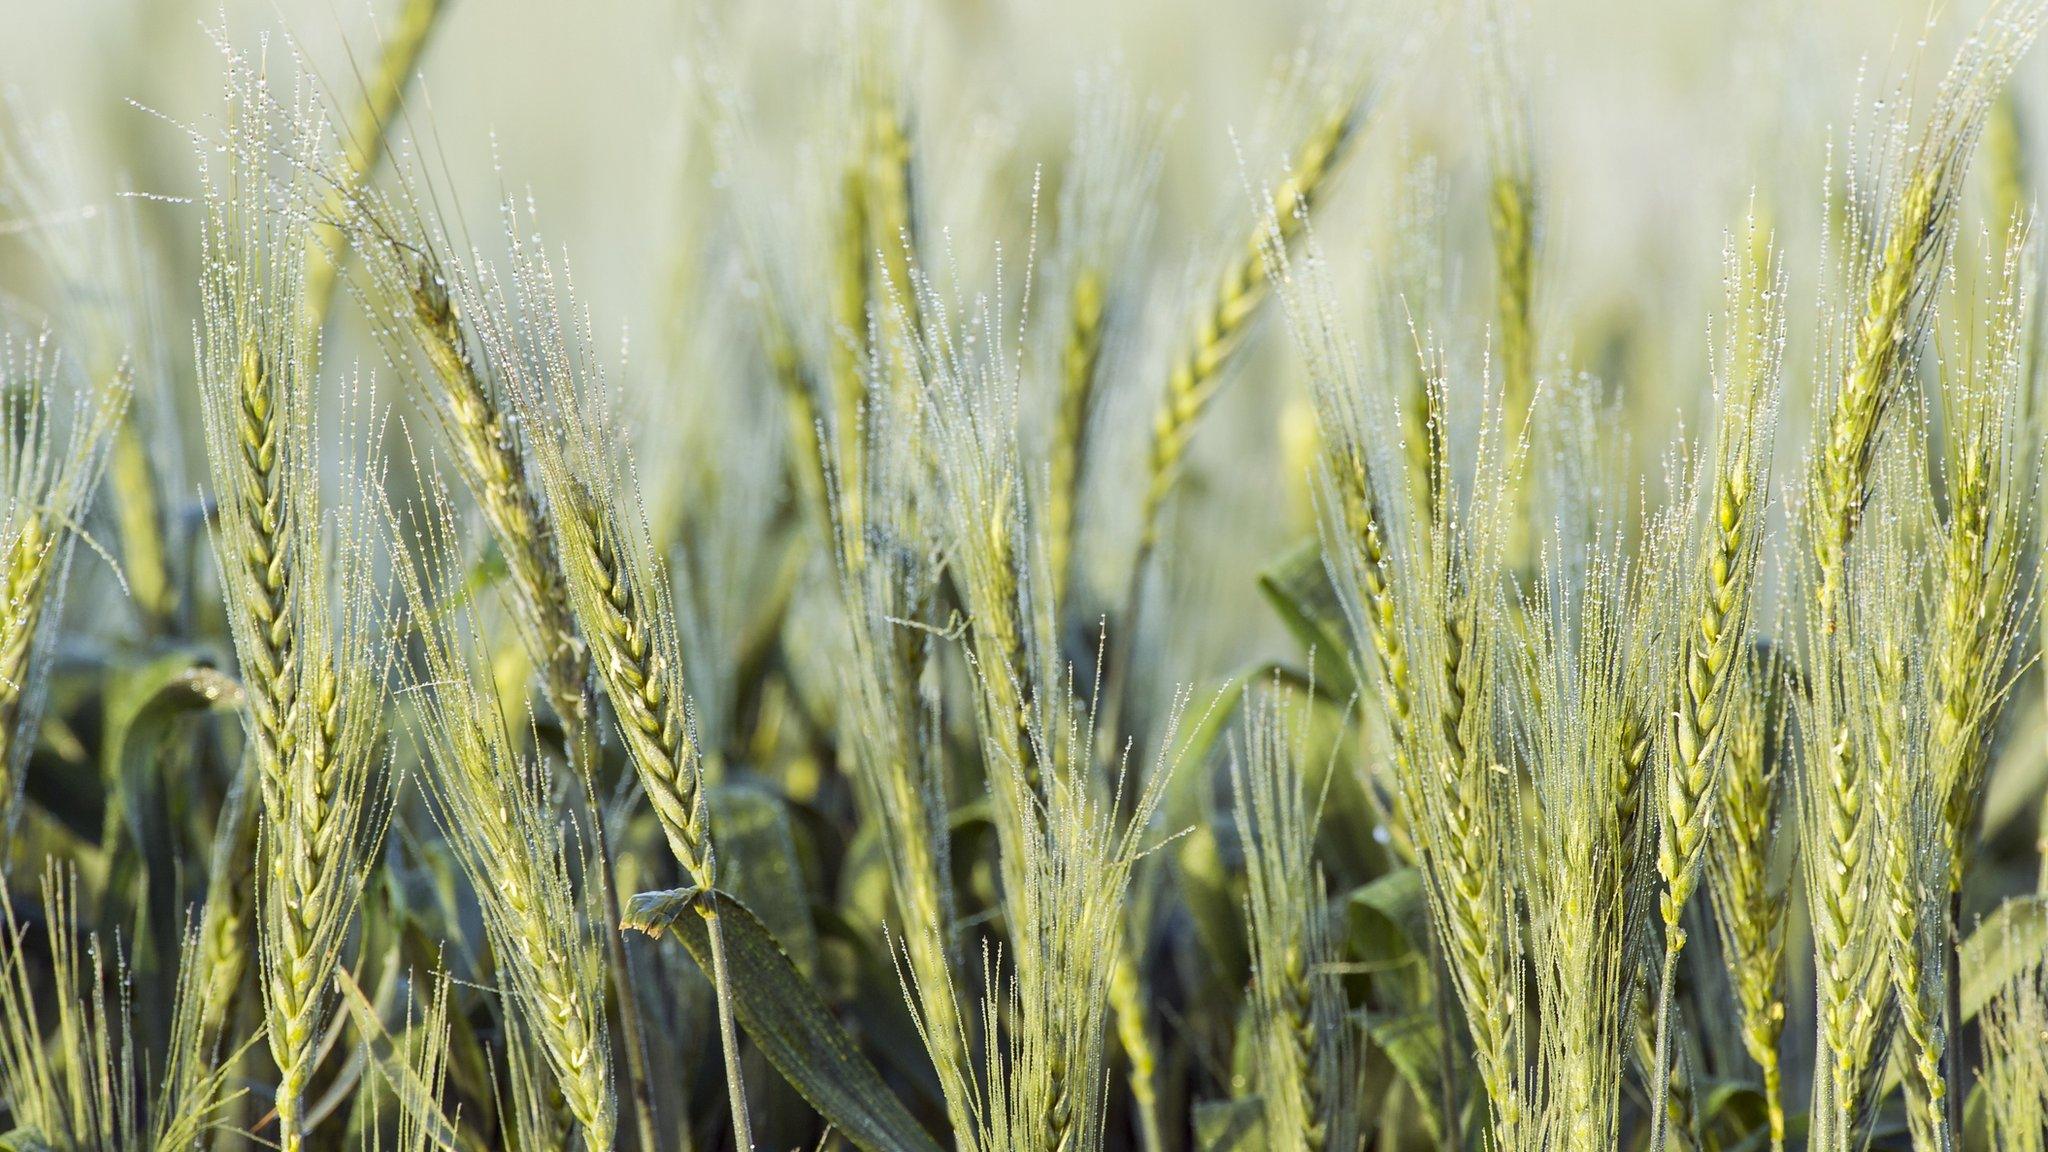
(1651, 128)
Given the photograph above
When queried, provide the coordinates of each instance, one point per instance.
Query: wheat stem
(364, 135)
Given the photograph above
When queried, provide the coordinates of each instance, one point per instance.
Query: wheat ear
(1218, 329)
(50, 468)
(304, 613)
(1710, 650)
(430, 294)
(1296, 1008)
(618, 590)
(1748, 906)
(495, 806)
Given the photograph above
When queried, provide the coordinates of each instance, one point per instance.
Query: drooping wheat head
(363, 135)
(619, 590)
(1909, 217)
(418, 295)
(621, 598)
(1219, 326)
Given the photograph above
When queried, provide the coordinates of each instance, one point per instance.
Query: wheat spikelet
(900, 782)
(1513, 208)
(1576, 858)
(1851, 678)
(85, 1084)
(1914, 233)
(618, 590)
(108, 297)
(429, 295)
(1436, 580)
(1733, 485)
(1104, 222)
(1980, 602)
(1856, 760)
(1709, 653)
(2009, 167)
(1045, 1026)
(223, 931)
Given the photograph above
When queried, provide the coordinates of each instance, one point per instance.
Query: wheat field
(1448, 575)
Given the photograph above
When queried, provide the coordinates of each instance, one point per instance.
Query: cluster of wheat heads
(814, 776)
